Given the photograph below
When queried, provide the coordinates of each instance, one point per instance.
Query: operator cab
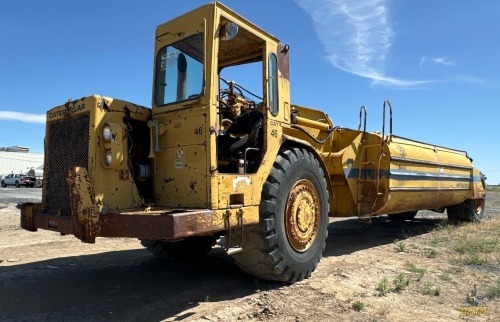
(241, 108)
(218, 71)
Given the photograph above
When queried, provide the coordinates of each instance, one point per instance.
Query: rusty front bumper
(166, 224)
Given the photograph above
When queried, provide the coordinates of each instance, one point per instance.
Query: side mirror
(228, 30)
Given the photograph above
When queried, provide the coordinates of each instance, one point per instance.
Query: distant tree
(31, 172)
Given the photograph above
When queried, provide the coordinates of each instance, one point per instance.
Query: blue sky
(436, 61)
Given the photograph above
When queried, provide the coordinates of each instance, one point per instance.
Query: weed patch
(494, 290)
(400, 247)
(473, 249)
(401, 282)
(432, 253)
(455, 270)
(473, 245)
(445, 277)
(428, 289)
(383, 286)
(410, 267)
(358, 306)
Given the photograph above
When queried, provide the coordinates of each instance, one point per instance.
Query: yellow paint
(110, 192)
(367, 174)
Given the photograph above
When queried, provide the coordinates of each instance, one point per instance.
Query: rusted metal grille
(67, 147)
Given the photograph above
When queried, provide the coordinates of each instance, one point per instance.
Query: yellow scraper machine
(214, 157)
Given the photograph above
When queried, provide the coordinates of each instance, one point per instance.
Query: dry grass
(494, 289)
(493, 188)
(479, 244)
(410, 267)
(443, 265)
(470, 244)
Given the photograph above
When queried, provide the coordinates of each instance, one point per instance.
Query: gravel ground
(49, 277)
(15, 195)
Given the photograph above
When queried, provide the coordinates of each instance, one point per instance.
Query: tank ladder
(368, 182)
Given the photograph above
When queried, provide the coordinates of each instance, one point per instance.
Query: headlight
(109, 157)
(106, 133)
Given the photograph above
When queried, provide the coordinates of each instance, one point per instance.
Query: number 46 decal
(274, 133)
(198, 131)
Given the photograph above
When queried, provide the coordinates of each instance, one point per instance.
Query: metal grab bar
(383, 116)
(361, 110)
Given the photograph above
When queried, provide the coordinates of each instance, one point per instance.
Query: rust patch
(28, 211)
(124, 174)
(84, 219)
(99, 103)
(284, 61)
(167, 180)
(74, 184)
(126, 110)
(90, 191)
(192, 185)
(70, 107)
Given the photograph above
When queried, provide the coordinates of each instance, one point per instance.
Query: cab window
(179, 71)
(273, 84)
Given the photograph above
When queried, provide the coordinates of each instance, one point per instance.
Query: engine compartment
(240, 136)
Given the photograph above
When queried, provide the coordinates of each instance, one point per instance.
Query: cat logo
(401, 150)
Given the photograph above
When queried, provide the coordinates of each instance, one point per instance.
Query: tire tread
(262, 241)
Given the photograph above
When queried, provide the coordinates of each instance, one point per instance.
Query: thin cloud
(443, 61)
(380, 79)
(422, 62)
(357, 37)
(437, 61)
(22, 117)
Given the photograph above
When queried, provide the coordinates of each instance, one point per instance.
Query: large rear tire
(471, 210)
(193, 247)
(17, 184)
(289, 241)
(3, 184)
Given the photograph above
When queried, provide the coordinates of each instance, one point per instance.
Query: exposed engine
(240, 138)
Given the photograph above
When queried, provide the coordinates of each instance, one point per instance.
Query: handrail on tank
(383, 117)
(463, 152)
(361, 114)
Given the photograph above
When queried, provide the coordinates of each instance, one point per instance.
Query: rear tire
(471, 210)
(402, 216)
(193, 247)
(17, 184)
(289, 241)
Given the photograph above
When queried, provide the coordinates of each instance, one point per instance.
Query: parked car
(39, 181)
(18, 180)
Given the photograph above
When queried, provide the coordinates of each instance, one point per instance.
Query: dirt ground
(46, 276)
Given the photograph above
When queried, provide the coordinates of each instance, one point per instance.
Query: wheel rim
(302, 215)
(478, 206)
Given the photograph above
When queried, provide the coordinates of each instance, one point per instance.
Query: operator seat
(247, 128)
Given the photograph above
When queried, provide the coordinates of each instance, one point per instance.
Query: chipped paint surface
(241, 183)
(195, 191)
(85, 212)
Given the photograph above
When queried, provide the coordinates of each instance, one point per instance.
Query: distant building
(20, 160)
(16, 148)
